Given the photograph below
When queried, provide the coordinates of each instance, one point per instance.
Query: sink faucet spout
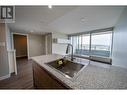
(67, 51)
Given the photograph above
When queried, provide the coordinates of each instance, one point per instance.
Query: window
(81, 44)
(101, 44)
(86, 44)
(95, 44)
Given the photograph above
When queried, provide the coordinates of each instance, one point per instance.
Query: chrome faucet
(67, 51)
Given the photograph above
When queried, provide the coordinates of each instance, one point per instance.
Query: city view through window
(99, 44)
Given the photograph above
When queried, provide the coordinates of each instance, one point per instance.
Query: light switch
(2, 44)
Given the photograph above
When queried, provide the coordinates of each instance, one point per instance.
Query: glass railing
(97, 50)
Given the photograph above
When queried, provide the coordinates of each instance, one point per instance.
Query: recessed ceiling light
(50, 6)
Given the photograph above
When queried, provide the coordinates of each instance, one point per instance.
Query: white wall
(11, 52)
(48, 43)
(119, 57)
(36, 45)
(8, 35)
(59, 48)
(4, 65)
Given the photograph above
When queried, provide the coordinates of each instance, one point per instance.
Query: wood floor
(24, 79)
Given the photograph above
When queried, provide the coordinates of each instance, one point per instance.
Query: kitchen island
(93, 76)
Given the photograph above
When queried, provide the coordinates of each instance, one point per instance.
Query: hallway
(24, 79)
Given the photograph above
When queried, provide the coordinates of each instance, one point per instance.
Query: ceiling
(64, 19)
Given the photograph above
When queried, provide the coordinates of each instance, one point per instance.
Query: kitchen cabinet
(45, 80)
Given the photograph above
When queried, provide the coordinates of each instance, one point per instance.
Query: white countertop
(93, 76)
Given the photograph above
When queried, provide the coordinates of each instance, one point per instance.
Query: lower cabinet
(44, 80)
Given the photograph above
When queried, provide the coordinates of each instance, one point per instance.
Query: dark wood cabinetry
(44, 80)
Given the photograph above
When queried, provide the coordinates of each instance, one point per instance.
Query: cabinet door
(43, 80)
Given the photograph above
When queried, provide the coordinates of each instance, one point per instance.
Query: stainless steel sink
(67, 67)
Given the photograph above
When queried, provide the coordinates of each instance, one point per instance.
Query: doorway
(20, 45)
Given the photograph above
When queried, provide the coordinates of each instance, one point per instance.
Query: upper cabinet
(61, 41)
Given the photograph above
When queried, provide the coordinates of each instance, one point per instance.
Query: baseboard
(5, 77)
(21, 56)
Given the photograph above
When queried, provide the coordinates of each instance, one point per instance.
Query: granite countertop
(93, 76)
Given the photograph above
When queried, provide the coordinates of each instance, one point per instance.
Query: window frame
(98, 31)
